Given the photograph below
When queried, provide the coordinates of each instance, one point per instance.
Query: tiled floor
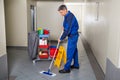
(21, 67)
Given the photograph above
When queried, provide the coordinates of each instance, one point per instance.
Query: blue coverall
(71, 27)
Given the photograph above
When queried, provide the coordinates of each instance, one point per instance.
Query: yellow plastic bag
(61, 56)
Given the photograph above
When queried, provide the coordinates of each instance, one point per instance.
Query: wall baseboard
(12, 77)
(17, 47)
(112, 72)
(96, 67)
(3, 67)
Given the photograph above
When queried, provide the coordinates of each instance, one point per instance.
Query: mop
(49, 73)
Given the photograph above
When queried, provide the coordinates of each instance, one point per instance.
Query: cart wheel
(34, 61)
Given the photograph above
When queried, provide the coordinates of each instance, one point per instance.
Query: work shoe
(73, 67)
(64, 71)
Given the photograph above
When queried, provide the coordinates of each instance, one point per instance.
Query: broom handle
(54, 54)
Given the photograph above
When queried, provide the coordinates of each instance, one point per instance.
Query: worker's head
(63, 10)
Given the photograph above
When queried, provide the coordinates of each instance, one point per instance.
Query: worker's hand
(59, 40)
(63, 28)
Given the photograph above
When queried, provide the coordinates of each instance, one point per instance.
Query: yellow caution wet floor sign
(61, 56)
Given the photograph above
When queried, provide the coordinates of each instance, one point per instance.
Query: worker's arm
(67, 28)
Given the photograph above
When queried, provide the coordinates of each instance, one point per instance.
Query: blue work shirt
(70, 25)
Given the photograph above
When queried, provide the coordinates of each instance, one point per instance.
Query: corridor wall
(101, 30)
(49, 18)
(3, 56)
(18, 21)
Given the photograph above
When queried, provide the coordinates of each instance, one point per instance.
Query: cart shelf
(43, 46)
(44, 36)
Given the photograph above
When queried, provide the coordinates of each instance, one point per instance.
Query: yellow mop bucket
(61, 56)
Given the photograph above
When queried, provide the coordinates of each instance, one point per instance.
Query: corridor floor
(22, 68)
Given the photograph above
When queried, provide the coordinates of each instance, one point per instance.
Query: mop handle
(54, 54)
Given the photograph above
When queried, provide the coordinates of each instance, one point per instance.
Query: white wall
(2, 30)
(114, 31)
(73, 0)
(49, 18)
(16, 22)
(103, 35)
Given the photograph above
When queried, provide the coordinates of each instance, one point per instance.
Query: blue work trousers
(72, 52)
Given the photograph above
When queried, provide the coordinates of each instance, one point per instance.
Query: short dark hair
(62, 7)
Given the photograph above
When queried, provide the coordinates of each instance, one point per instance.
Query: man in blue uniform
(70, 30)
